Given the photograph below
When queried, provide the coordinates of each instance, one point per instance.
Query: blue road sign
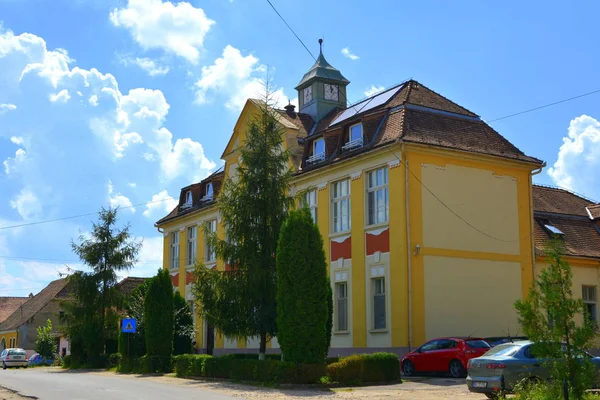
(128, 325)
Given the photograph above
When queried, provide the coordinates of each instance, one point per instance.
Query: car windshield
(503, 350)
(16, 352)
(477, 344)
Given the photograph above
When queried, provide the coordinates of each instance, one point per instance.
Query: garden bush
(67, 361)
(190, 364)
(114, 359)
(365, 368)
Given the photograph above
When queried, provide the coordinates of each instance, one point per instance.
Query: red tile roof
(566, 212)
(8, 305)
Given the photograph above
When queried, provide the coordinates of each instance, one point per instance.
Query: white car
(13, 358)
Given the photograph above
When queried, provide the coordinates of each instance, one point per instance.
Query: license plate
(479, 384)
(17, 358)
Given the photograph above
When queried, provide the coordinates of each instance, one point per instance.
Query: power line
(82, 215)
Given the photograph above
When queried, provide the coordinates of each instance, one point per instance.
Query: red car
(449, 354)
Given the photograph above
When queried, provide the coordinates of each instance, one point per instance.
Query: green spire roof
(323, 70)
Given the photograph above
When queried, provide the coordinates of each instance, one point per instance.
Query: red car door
(447, 351)
(425, 356)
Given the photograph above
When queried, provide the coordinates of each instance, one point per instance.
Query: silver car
(13, 358)
(505, 365)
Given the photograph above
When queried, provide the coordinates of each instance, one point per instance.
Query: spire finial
(320, 46)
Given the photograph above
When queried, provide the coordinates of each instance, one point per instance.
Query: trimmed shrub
(158, 319)
(114, 359)
(66, 361)
(303, 288)
(190, 364)
(149, 364)
(365, 368)
(331, 360)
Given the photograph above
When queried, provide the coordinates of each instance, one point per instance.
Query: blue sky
(106, 102)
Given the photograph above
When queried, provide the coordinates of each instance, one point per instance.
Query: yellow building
(423, 208)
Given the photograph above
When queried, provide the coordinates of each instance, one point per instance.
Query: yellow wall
(470, 297)
(7, 336)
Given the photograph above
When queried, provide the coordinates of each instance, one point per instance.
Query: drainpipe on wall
(533, 173)
(408, 246)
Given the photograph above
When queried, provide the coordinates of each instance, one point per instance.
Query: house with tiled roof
(574, 219)
(8, 305)
(19, 329)
(423, 207)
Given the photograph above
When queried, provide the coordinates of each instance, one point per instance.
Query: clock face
(307, 94)
(331, 92)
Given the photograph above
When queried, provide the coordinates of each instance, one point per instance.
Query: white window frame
(362, 133)
(310, 200)
(341, 222)
(210, 254)
(338, 301)
(189, 200)
(191, 245)
(320, 140)
(374, 295)
(587, 301)
(174, 251)
(374, 190)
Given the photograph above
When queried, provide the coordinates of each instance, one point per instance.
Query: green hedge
(268, 371)
(190, 364)
(365, 368)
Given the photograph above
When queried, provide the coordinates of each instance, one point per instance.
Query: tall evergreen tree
(183, 325)
(107, 251)
(549, 318)
(302, 291)
(241, 302)
(158, 320)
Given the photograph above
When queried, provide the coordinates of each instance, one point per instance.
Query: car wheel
(408, 368)
(456, 369)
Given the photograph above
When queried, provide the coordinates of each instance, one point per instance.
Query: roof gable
(8, 305)
(32, 306)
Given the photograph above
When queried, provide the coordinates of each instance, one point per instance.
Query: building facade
(425, 210)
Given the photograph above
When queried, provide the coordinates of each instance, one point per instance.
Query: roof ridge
(562, 189)
(442, 96)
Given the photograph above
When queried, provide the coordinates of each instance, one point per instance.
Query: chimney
(289, 109)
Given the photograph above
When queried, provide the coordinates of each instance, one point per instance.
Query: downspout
(408, 247)
(533, 173)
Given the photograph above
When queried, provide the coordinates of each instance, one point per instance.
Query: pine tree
(548, 318)
(241, 302)
(303, 311)
(90, 320)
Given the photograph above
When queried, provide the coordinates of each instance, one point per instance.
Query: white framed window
(590, 302)
(188, 198)
(191, 245)
(341, 305)
(379, 311)
(378, 201)
(209, 191)
(209, 252)
(318, 147)
(174, 263)
(309, 199)
(356, 132)
(341, 206)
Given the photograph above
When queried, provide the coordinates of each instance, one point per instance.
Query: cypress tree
(158, 320)
(302, 291)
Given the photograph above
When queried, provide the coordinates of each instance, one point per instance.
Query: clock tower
(322, 88)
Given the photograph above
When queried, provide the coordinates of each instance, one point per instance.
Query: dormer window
(188, 199)
(355, 137)
(208, 192)
(554, 230)
(318, 153)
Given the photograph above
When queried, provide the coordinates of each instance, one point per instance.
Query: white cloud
(373, 89)
(16, 140)
(236, 77)
(117, 199)
(348, 54)
(150, 257)
(162, 202)
(578, 161)
(4, 108)
(62, 96)
(11, 163)
(148, 65)
(93, 100)
(177, 28)
(27, 204)
(132, 184)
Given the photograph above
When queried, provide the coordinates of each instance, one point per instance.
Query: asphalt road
(47, 384)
